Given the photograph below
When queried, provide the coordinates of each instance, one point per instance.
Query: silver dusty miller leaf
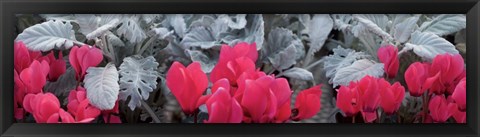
(279, 40)
(357, 71)
(298, 73)
(48, 35)
(102, 87)
(138, 77)
(341, 58)
(206, 37)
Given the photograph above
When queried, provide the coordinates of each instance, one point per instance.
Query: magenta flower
(391, 96)
(80, 107)
(222, 108)
(23, 57)
(458, 115)
(33, 78)
(44, 107)
(418, 78)
(388, 55)
(307, 103)
(233, 61)
(264, 99)
(241, 81)
(347, 100)
(84, 57)
(440, 108)
(57, 66)
(369, 97)
(460, 94)
(259, 102)
(450, 67)
(187, 85)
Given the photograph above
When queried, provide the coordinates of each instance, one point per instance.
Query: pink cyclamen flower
(369, 97)
(42, 106)
(84, 57)
(418, 78)
(23, 57)
(238, 93)
(347, 100)
(460, 95)
(80, 107)
(388, 55)
(440, 108)
(57, 66)
(391, 96)
(33, 78)
(458, 115)
(233, 61)
(307, 103)
(264, 98)
(450, 67)
(187, 85)
(283, 112)
(259, 102)
(19, 93)
(223, 108)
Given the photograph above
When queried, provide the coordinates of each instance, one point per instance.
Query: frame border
(8, 9)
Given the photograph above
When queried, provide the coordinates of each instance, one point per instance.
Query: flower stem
(353, 119)
(314, 64)
(108, 120)
(425, 106)
(195, 117)
(398, 117)
(150, 111)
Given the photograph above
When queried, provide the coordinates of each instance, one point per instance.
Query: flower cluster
(367, 95)
(441, 84)
(240, 92)
(32, 72)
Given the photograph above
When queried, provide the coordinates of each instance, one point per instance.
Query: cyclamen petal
(283, 112)
(256, 104)
(458, 115)
(369, 97)
(84, 57)
(388, 55)
(391, 96)
(450, 67)
(34, 77)
(42, 106)
(223, 108)
(418, 79)
(57, 66)
(178, 77)
(229, 66)
(23, 57)
(440, 108)
(79, 106)
(460, 95)
(347, 101)
(307, 103)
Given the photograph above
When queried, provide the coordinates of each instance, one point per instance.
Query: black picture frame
(8, 9)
